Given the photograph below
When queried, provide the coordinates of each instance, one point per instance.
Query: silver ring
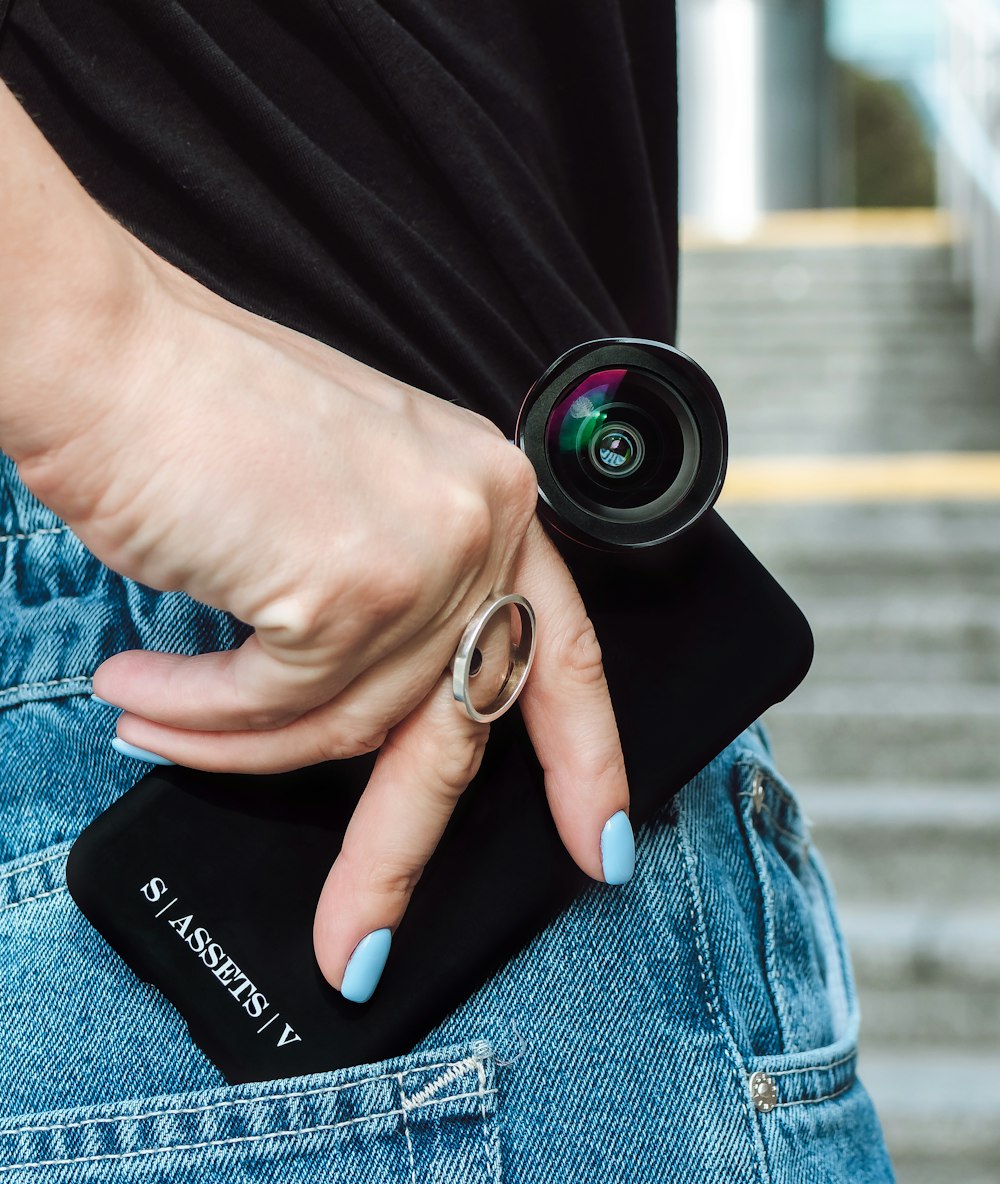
(522, 654)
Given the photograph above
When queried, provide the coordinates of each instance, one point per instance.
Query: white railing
(963, 94)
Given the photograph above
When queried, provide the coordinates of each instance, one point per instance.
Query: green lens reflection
(582, 417)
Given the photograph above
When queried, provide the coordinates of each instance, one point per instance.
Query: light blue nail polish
(618, 849)
(366, 966)
(107, 702)
(140, 754)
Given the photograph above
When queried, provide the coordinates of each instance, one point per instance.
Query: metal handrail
(963, 96)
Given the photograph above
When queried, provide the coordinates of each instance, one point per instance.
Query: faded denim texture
(621, 1045)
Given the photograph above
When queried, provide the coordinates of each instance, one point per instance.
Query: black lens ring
(687, 381)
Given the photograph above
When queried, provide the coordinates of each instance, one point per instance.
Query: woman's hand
(356, 524)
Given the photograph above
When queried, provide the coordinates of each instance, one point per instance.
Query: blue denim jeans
(699, 1024)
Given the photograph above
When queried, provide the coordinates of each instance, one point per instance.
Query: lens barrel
(628, 439)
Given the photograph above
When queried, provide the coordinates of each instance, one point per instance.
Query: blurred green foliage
(885, 158)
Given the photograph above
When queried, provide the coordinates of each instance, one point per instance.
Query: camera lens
(622, 444)
(628, 440)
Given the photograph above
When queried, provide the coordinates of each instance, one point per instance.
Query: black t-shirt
(451, 191)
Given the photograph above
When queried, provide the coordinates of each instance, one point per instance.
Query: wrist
(68, 274)
(65, 319)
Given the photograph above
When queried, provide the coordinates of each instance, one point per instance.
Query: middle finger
(424, 766)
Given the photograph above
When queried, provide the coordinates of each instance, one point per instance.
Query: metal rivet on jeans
(764, 1091)
(757, 791)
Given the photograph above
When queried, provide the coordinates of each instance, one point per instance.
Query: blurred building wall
(780, 101)
(756, 123)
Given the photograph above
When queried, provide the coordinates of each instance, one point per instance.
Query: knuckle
(447, 763)
(351, 738)
(487, 424)
(578, 651)
(391, 877)
(518, 481)
(267, 718)
(392, 591)
(291, 621)
(259, 714)
(469, 525)
(608, 772)
(456, 763)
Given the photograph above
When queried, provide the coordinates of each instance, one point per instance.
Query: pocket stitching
(822, 1067)
(762, 878)
(797, 1073)
(762, 872)
(329, 1126)
(52, 682)
(710, 993)
(456, 1069)
(27, 867)
(813, 1101)
(406, 1129)
(13, 904)
(799, 840)
(31, 534)
(274, 1097)
(773, 779)
(756, 846)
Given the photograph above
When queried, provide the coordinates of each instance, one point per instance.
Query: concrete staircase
(894, 739)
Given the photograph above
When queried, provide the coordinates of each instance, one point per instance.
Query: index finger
(566, 706)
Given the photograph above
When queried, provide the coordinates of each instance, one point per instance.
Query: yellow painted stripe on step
(832, 228)
(922, 476)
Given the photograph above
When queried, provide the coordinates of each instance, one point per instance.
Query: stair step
(891, 741)
(753, 379)
(913, 701)
(940, 1110)
(954, 528)
(945, 639)
(916, 609)
(793, 435)
(913, 1014)
(882, 549)
(779, 424)
(935, 848)
(816, 337)
(885, 806)
(886, 265)
(862, 747)
(905, 656)
(926, 945)
(936, 862)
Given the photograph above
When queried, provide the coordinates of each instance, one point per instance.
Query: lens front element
(616, 450)
(622, 444)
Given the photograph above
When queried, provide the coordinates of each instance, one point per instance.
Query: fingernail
(106, 702)
(618, 849)
(140, 754)
(366, 966)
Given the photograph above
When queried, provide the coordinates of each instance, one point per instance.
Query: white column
(719, 52)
